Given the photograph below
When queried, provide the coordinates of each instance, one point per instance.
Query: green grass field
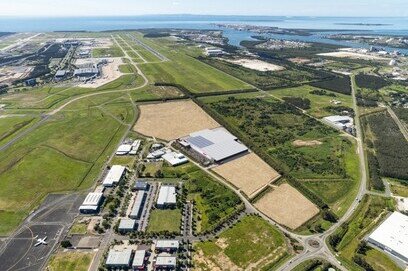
(66, 153)
(70, 261)
(252, 241)
(9, 126)
(186, 70)
(78, 228)
(399, 188)
(113, 51)
(164, 220)
(319, 103)
(155, 93)
(51, 96)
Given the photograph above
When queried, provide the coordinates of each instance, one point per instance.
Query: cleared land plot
(164, 220)
(352, 55)
(172, 120)
(70, 261)
(287, 206)
(256, 64)
(251, 244)
(249, 173)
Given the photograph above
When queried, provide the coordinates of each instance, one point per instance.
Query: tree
(66, 244)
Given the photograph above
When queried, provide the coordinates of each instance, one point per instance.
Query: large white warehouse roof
(217, 144)
(167, 195)
(392, 235)
(92, 199)
(114, 175)
(119, 258)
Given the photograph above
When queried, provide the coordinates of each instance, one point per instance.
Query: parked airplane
(40, 241)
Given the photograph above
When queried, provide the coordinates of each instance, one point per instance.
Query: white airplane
(40, 241)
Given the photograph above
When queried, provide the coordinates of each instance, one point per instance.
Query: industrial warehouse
(215, 145)
(167, 197)
(91, 203)
(114, 176)
(392, 236)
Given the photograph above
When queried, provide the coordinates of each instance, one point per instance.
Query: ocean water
(385, 26)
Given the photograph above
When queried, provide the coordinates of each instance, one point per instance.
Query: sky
(354, 8)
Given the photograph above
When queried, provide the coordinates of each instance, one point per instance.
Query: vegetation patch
(113, 51)
(322, 102)
(348, 239)
(388, 144)
(371, 81)
(70, 261)
(338, 84)
(252, 243)
(164, 221)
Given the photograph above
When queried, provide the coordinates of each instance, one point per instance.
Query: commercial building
(135, 147)
(119, 259)
(339, 122)
(156, 154)
(139, 260)
(167, 196)
(124, 149)
(126, 225)
(138, 205)
(175, 158)
(60, 74)
(214, 52)
(392, 236)
(216, 144)
(167, 245)
(86, 72)
(165, 262)
(114, 176)
(140, 185)
(91, 203)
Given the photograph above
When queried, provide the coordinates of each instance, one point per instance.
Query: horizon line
(191, 14)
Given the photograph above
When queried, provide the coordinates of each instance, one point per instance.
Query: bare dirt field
(308, 143)
(353, 55)
(249, 173)
(256, 64)
(287, 206)
(299, 60)
(172, 120)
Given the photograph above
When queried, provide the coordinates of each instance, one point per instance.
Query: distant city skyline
(352, 8)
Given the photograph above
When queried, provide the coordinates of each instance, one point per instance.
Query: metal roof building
(126, 225)
(167, 196)
(139, 259)
(114, 175)
(174, 158)
(85, 72)
(167, 244)
(119, 258)
(166, 262)
(392, 236)
(124, 149)
(140, 185)
(91, 203)
(137, 205)
(217, 144)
